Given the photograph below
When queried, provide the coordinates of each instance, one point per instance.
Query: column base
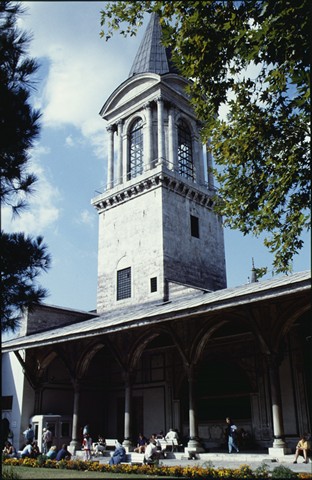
(194, 445)
(127, 444)
(74, 446)
(279, 451)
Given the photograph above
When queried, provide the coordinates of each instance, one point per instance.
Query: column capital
(172, 108)
(111, 128)
(147, 105)
(76, 384)
(128, 378)
(274, 359)
(191, 371)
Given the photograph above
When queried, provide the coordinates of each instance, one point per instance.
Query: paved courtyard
(234, 460)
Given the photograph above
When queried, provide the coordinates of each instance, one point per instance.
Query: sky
(78, 72)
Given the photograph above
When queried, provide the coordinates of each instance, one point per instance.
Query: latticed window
(135, 165)
(194, 226)
(124, 283)
(185, 155)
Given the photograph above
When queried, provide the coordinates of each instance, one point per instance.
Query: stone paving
(226, 460)
(234, 460)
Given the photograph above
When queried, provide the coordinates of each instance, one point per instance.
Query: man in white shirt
(171, 435)
(151, 454)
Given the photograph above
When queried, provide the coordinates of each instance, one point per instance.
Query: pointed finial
(253, 272)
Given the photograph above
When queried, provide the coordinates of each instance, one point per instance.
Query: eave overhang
(296, 285)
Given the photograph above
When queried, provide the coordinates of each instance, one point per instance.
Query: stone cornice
(165, 179)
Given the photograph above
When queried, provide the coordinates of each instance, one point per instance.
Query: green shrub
(283, 472)
(41, 459)
(262, 471)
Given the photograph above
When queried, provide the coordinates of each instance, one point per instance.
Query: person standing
(231, 433)
(86, 429)
(87, 445)
(46, 440)
(29, 434)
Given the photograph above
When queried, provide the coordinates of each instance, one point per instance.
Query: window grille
(194, 226)
(185, 154)
(135, 165)
(154, 284)
(124, 283)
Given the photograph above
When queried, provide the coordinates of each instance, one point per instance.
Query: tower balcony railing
(183, 172)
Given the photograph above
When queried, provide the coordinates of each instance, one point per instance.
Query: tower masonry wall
(191, 260)
(131, 236)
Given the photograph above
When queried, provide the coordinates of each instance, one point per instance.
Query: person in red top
(87, 444)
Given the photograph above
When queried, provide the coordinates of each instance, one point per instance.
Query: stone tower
(159, 237)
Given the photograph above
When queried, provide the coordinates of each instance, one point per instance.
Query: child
(86, 445)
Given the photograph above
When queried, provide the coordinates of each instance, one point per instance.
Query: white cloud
(69, 142)
(42, 212)
(83, 69)
(87, 218)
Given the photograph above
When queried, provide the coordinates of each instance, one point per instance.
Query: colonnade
(164, 151)
(279, 445)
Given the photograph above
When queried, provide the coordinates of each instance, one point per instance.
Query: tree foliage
(19, 121)
(250, 63)
(22, 257)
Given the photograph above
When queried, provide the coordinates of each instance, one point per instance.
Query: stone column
(279, 444)
(171, 140)
(128, 397)
(160, 130)
(38, 399)
(75, 443)
(120, 166)
(193, 443)
(110, 165)
(195, 159)
(209, 166)
(148, 139)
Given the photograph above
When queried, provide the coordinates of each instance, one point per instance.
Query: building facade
(169, 346)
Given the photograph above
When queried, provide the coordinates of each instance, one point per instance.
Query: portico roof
(187, 307)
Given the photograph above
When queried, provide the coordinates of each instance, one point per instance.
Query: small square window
(124, 283)
(7, 402)
(154, 284)
(194, 226)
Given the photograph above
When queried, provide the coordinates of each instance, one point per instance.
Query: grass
(21, 473)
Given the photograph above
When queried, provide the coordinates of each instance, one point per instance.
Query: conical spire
(152, 57)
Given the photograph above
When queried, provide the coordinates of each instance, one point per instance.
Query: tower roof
(152, 56)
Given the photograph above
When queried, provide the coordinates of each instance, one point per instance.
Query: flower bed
(204, 472)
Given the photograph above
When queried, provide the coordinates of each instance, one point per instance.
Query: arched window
(135, 162)
(185, 155)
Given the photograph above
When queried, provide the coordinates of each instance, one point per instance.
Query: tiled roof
(152, 57)
(140, 315)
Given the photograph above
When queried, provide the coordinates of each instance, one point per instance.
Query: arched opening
(185, 151)
(103, 387)
(158, 369)
(135, 152)
(57, 395)
(221, 389)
